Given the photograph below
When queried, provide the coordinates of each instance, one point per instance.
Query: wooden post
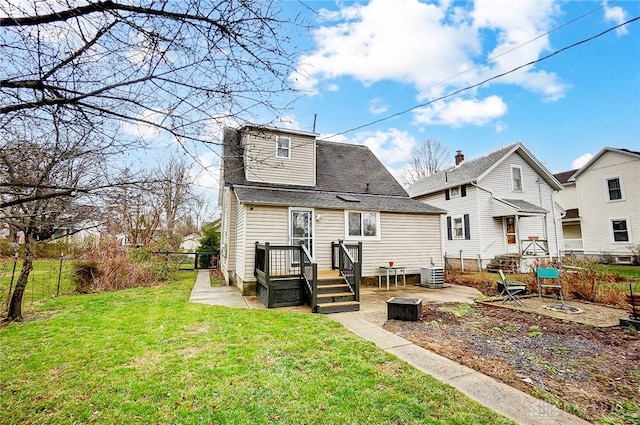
(267, 266)
(314, 288)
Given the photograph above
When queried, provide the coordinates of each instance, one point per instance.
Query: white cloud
(580, 161)
(288, 121)
(391, 147)
(459, 112)
(145, 126)
(377, 106)
(617, 15)
(436, 48)
(206, 173)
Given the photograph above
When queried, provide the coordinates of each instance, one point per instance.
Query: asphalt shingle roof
(341, 168)
(525, 207)
(309, 198)
(563, 177)
(463, 173)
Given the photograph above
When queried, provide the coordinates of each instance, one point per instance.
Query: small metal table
(395, 270)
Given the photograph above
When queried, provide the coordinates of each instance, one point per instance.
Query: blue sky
(364, 61)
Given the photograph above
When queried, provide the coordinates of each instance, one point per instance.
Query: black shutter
(463, 190)
(446, 194)
(449, 231)
(467, 233)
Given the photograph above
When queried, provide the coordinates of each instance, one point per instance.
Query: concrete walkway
(508, 401)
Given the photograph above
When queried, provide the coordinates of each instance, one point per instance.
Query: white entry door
(511, 235)
(301, 228)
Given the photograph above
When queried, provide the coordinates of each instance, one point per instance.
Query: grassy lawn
(148, 355)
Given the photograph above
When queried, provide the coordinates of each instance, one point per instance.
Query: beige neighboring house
(283, 189)
(602, 203)
(500, 208)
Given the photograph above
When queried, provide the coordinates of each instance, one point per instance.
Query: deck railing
(346, 258)
(534, 247)
(276, 261)
(572, 245)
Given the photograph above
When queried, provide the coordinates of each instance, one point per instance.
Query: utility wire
(446, 96)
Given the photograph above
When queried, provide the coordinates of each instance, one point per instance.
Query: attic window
(283, 147)
(348, 198)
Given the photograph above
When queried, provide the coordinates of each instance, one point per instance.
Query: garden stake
(59, 274)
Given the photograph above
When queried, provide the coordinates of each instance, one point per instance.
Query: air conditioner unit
(432, 277)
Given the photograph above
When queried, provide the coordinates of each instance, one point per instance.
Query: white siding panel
(597, 211)
(330, 228)
(230, 207)
(264, 224)
(262, 165)
(410, 240)
(240, 242)
(535, 191)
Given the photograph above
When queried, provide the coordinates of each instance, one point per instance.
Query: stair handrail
(350, 269)
(309, 272)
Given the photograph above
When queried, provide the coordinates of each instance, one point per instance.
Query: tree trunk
(15, 307)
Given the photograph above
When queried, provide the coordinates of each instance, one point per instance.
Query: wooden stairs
(334, 295)
(509, 263)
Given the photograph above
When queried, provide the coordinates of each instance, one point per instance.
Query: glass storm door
(301, 229)
(510, 235)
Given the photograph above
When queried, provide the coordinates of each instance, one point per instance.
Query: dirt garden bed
(591, 371)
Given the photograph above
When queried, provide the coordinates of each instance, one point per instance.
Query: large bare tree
(176, 192)
(103, 73)
(46, 186)
(427, 158)
(172, 66)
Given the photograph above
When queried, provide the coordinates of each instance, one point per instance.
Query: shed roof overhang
(508, 207)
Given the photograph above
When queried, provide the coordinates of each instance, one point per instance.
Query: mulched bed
(593, 372)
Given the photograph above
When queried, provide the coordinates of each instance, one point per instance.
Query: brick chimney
(459, 157)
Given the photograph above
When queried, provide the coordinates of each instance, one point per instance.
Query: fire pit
(408, 309)
(564, 307)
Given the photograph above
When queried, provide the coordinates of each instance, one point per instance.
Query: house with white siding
(302, 217)
(501, 211)
(602, 203)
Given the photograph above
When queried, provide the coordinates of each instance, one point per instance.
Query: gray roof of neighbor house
(473, 170)
(341, 168)
(564, 176)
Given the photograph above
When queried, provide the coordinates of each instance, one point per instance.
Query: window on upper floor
(614, 189)
(283, 147)
(362, 225)
(620, 230)
(516, 178)
(455, 192)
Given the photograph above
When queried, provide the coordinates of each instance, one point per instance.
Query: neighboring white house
(286, 188)
(500, 209)
(602, 200)
(191, 242)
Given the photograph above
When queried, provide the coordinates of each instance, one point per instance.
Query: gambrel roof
(341, 169)
(474, 170)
